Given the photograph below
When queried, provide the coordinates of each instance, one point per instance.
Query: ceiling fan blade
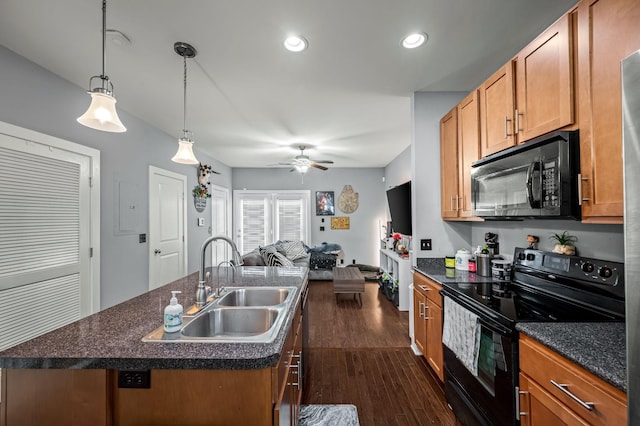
(323, 161)
(318, 166)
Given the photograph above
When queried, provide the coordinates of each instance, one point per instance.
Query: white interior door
(49, 227)
(220, 223)
(167, 227)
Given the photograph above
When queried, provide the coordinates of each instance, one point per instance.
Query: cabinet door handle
(420, 310)
(424, 288)
(506, 127)
(451, 203)
(425, 312)
(563, 387)
(580, 181)
(518, 114)
(518, 394)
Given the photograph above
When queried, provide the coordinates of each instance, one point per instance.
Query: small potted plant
(564, 243)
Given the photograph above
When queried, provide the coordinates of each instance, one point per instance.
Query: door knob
(156, 251)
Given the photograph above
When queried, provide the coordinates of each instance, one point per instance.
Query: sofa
(319, 259)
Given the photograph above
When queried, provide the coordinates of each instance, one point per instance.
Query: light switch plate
(425, 244)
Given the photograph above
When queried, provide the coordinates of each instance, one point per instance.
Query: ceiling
(250, 102)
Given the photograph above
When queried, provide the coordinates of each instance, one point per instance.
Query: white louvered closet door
(44, 239)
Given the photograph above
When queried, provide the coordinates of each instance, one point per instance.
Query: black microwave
(538, 179)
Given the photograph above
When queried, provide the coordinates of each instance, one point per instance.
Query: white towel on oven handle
(461, 334)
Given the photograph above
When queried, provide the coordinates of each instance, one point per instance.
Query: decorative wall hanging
(324, 203)
(200, 195)
(340, 222)
(201, 191)
(348, 200)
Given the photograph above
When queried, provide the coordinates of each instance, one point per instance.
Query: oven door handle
(496, 328)
(491, 325)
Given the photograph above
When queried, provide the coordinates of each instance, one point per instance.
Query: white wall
(362, 241)
(36, 99)
(447, 237)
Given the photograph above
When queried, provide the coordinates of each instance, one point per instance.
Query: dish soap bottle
(173, 314)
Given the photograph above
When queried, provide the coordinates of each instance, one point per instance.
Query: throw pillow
(272, 257)
(292, 249)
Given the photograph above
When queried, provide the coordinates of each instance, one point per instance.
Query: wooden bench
(348, 280)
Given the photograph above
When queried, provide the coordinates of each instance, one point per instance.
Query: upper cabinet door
(497, 111)
(468, 148)
(544, 82)
(449, 202)
(608, 31)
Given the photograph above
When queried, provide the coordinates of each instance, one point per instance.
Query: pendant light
(185, 144)
(102, 114)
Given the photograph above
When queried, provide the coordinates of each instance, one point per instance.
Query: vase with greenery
(201, 191)
(564, 243)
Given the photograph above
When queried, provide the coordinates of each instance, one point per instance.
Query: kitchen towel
(461, 334)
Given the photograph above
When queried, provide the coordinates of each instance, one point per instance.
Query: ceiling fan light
(414, 40)
(102, 114)
(296, 44)
(185, 152)
(302, 168)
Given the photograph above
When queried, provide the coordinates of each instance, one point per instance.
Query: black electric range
(544, 287)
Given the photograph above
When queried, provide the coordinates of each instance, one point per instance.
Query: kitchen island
(99, 371)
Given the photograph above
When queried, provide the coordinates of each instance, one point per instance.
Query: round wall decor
(348, 200)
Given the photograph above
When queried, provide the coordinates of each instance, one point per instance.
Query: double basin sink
(243, 314)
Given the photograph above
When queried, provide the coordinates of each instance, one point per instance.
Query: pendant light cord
(184, 118)
(104, 43)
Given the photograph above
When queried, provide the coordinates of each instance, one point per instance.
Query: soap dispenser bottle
(173, 314)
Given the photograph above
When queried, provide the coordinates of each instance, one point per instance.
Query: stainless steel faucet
(220, 287)
(236, 260)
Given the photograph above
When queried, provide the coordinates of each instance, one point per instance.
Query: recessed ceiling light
(414, 40)
(296, 43)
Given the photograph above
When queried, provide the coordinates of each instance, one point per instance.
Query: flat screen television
(399, 199)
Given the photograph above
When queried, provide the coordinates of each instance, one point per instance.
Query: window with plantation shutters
(264, 217)
(45, 241)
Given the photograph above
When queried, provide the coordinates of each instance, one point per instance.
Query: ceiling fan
(301, 163)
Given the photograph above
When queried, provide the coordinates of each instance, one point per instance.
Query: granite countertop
(434, 268)
(597, 347)
(112, 338)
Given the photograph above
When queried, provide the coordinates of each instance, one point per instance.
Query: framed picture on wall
(325, 203)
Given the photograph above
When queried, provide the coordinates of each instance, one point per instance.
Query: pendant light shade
(185, 144)
(185, 152)
(102, 114)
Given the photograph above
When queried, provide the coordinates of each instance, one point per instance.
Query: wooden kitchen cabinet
(459, 147)
(545, 83)
(55, 397)
(449, 164)
(428, 321)
(468, 149)
(608, 32)
(543, 403)
(496, 111)
(419, 324)
(531, 95)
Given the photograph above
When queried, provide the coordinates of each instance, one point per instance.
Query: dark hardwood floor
(361, 356)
